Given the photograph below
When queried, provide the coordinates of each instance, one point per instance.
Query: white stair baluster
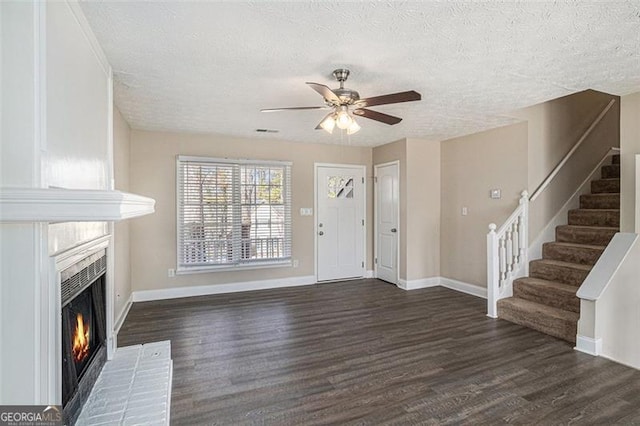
(516, 243)
(509, 250)
(503, 262)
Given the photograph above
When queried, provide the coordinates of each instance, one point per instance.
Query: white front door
(387, 200)
(340, 224)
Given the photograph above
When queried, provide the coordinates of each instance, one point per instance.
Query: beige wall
(472, 166)
(419, 162)
(397, 151)
(629, 147)
(553, 129)
(423, 209)
(152, 173)
(122, 275)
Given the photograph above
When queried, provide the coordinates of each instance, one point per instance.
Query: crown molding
(71, 205)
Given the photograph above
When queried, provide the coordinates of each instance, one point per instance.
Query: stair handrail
(507, 257)
(568, 155)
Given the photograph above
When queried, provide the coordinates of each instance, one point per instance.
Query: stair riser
(596, 237)
(557, 273)
(594, 218)
(581, 255)
(562, 329)
(612, 171)
(603, 201)
(605, 186)
(546, 296)
(615, 159)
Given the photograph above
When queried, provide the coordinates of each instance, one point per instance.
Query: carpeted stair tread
(600, 201)
(556, 270)
(595, 217)
(546, 319)
(598, 235)
(605, 186)
(611, 171)
(585, 254)
(550, 293)
(615, 159)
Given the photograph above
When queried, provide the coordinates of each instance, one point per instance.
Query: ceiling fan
(344, 102)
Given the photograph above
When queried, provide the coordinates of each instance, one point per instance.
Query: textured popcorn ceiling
(210, 67)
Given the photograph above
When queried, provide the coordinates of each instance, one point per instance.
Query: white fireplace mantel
(71, 205)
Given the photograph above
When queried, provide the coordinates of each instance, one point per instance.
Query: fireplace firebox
(83, 331)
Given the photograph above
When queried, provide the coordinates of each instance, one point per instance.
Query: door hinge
(375, 179)
(375, 260)
(362, 180)
(363, 264)
(362, 222)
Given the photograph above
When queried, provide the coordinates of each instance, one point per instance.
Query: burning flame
(80, 339)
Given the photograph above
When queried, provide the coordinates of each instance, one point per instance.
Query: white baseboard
(463, 287)
(419, 283)
(123, 314)
(205, 290)
(369, 274)
(588, 345)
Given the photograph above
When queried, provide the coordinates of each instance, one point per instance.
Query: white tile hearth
(133, 388)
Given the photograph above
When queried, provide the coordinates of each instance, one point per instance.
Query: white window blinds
(232, 213)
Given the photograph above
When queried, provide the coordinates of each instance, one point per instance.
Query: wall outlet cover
(496, 194)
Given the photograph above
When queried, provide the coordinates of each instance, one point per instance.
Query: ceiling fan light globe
(353, 127)
(344, 120)
(328, 124)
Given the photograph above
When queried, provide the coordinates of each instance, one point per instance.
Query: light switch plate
(496, 194)
(306, 211)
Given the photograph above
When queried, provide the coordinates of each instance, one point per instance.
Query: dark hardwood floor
(366, 352)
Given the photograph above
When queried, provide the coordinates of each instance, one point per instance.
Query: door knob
(394, 230)
(320, 233)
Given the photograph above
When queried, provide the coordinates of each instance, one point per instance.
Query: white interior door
(387, 199)
(340, 224)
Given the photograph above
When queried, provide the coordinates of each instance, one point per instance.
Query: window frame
(286, 261)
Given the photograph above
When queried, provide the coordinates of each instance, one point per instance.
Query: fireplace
(83, 326)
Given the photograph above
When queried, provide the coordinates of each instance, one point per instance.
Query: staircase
(546, 300)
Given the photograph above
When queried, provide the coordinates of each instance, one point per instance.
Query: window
(233, 213)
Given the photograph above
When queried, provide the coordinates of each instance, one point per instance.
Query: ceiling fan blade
(325, 92)
(292, 108)
(393, 98)
(378, 116)
(319, 126)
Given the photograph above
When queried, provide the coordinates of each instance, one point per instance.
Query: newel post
(524, 233)
(492, 272)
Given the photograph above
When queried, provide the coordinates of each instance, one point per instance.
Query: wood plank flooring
(365, 352)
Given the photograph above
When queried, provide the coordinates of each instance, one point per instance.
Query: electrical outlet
(496, 194)
(171, 273)
(296, 263)
(464, 211)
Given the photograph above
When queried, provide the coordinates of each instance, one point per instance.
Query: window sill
(226, 268)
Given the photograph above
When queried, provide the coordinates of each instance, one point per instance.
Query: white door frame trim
(315, 210)
(375, 219)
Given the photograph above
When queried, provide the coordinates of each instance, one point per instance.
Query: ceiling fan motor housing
(347, 96)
